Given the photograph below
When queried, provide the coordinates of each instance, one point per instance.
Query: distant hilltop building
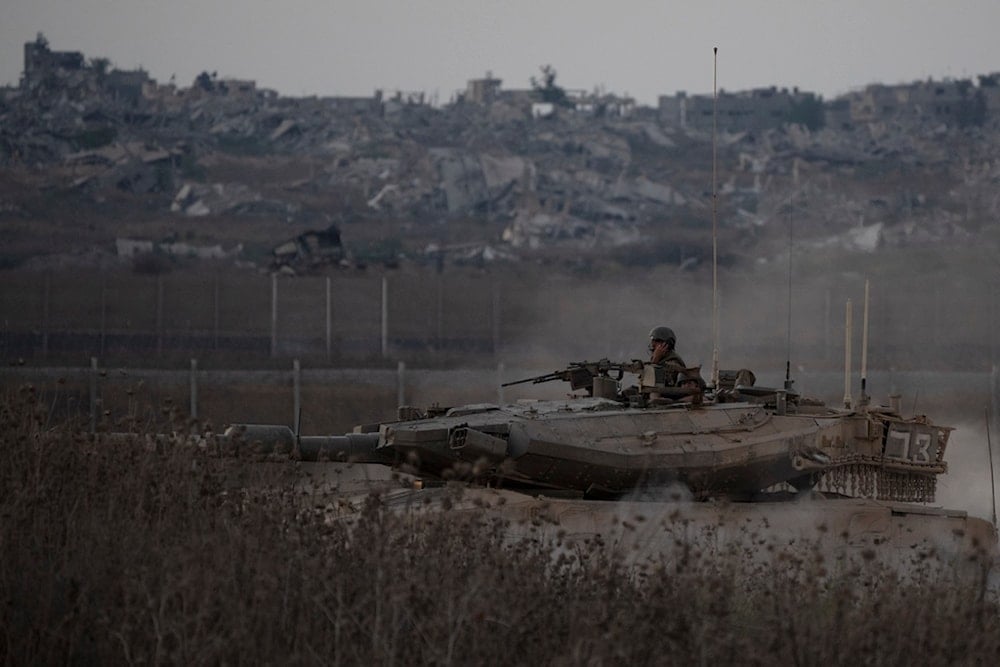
(45, 68)
(39, 61)
(956, 103)
(488, 91)
(950, 102)
(752, 110)
(483, 91)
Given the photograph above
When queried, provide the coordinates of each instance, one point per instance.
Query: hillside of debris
(232, 172)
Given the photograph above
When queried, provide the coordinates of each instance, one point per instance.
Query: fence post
(440, 312)
(496, 318)
(329, 322)
(215, 312)
(274, 315)
(159, 315)
(826, 328)
(385, 316)
(194, 389)
(93, 394)
(938, 309)
(104, 310)
(400, 384)
(45, 314)
(296, 394)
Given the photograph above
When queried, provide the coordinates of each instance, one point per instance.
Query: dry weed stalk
(115, 552)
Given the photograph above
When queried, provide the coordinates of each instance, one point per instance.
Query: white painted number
(898, 444)
(922, 442)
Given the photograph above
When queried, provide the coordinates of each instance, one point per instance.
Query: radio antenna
(715, 214)
(847, 356)
(989, 450)
(788, 333)
(864, 350)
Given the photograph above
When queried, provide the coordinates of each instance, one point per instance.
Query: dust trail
(967, 484)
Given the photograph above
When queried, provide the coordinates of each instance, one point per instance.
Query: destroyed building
(599, 173)
(40, 61)
(953, 102)
(44, 67)
(482, 91)
(752, 110)
(309, 251)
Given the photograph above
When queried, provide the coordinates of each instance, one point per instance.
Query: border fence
(327, 400)
(326, 318)
(241, 319)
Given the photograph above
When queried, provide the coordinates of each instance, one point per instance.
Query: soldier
(661, 347)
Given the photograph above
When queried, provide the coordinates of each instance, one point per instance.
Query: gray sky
(639, 47)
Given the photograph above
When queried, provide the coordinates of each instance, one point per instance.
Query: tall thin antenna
(864, 351)
(715, 211)
(788, 333)
(847, 356)
(989, 449)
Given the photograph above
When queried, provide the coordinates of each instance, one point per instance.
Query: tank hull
(601, 447)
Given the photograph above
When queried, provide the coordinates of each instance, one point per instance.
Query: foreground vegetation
(124, 553)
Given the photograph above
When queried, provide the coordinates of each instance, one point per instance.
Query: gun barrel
(355, 447)
(511, 384)
(548, 377)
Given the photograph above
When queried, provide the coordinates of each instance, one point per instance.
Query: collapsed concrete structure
(593, 172)
(310, 251)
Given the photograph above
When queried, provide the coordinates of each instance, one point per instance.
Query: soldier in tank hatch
(661, 347)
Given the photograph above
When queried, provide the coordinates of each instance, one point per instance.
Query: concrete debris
(120, 153)
(500, 173)
(81, 258)
(127, 248)
(534, 231)
(195, 200)
(865, 239)
(461, 179)
(658, 192)
(308, 251)
(657, 136)
(200, 252)
(588, 178)
(286, 126)
(386, 190)
(467, 254)
(543, 110)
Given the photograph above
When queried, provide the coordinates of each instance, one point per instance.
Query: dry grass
(118, 553)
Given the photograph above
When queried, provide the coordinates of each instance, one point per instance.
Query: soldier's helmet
(665, 334)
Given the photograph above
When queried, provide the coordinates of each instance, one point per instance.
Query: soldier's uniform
(661, 347)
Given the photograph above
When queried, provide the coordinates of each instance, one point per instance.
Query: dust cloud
(932, 324)
(968, 485)
(919, 319)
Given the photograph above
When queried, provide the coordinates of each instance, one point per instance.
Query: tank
(608, 440)
(635, 463)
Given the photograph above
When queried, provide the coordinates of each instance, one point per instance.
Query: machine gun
(581, 374)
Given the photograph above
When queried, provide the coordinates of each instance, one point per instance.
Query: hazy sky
(352, 47)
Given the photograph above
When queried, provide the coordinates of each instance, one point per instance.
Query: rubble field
(88, 157)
